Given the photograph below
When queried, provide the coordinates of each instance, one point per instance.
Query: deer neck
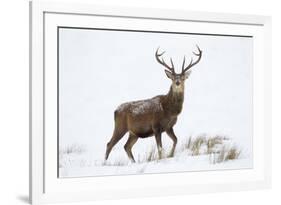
(173, 102)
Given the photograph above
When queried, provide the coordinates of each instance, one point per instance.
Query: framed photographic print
(129, 102)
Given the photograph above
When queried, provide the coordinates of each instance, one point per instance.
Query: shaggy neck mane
(173, 102)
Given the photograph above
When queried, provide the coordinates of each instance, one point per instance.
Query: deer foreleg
(171, 134)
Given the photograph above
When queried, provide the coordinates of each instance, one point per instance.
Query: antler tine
(183, 64)
(173, 67)
(198, 48)
(161, 53)
(162, 62)
(200, 51)
(191, 64)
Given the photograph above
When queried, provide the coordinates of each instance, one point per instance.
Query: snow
(141, 106)
(78, 165)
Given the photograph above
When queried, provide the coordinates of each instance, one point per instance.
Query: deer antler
(191, 64)
(162, 62)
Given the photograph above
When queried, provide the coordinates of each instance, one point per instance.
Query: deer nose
(177, 83)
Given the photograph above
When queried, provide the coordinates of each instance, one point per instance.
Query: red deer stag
(153, 116)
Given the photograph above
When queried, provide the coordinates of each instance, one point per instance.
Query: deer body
(151, 117)
(144, 117)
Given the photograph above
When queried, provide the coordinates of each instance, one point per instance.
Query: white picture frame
(46, 187)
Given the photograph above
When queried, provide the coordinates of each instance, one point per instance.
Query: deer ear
(187, 74)
(169, 74)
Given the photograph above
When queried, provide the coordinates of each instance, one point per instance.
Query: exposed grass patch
(225, 154)
(149, 156)
(217, 147)
(229, 153)
(233, 153)
(196, 145)
(212, 142)
(72, 149)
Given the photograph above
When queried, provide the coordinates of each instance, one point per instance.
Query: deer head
(178, 79)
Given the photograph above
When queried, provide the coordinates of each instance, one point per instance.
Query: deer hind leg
(129, 144)
(171, 134)
(117, 135)
(159, 144)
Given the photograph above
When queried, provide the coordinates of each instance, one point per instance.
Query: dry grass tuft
(212, 142)
(233, 153)
(226, 154)
(196, 145)
(150, 155)
(215, 147)
(72, 149)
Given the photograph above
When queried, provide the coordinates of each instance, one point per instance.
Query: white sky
(99, 70)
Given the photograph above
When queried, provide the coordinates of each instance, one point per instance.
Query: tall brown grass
(215, 146)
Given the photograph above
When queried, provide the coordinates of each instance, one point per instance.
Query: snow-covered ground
(77, 161)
